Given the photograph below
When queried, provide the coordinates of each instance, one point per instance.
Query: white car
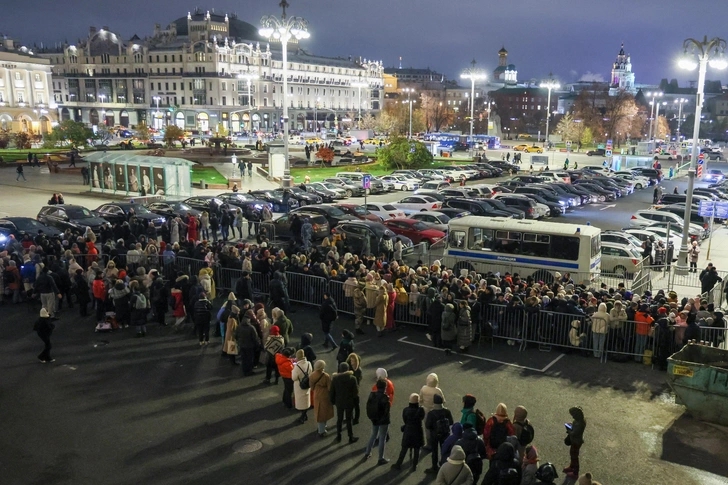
(400, 183)
(387, 185)
(639, 181)
(620, 237)
(432, 186)
(645, 217)
(435, 220)
(556, 176)
(418, 203)
(385, 211)
(658, 233)
(620, 259)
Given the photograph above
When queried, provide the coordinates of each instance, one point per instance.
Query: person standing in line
(344, 394)
(139, 308)
(19, 171)
(323, 409)
(284, 361)
(427, 399)
(273, 345)
(238, 223)
(360, 307)
(455, 471)
(412, 437)
(378, 411)
(81, 290)
(328, 313)
(248, 340)
(202, 314)
(574, 440)
(46, 286)
(694, 254)
(437, 426)
(302, 369)
(225, 225)
(44, 328)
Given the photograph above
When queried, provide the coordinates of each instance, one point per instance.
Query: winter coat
(412, 436)
(472, 444)
(80, 289)
(344, 390)
(504, 459)
(138, 315)
(429, 391)
(391, 300)
(246, 336)
(328, 313)
(489, 425)
(360, 302)
(380, 314)
(389, 391)
(618, 316)
(207, 282)
(449, 329)
(178, 304)
(578, 425)
(302, 396)
(575, 334)
(230, 345)
(383, 409)
(694, 253)
(456, 432)
(285, 366)
(99, 290)
(601, 320)
(454, 472)
(285, 326)
(244, 289)
(323, 409)
(120, 294)
(464, 328)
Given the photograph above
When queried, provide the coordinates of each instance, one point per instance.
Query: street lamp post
(679, 115)
(657, 118)
(712, 51)
(283, 30)
(474, 75)
(359, 85)
(549, 85)
(315, 115)
(249, 78)
(487, 128)
(409, 92)
(653, 95)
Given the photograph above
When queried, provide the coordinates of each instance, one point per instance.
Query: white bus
(526, 247)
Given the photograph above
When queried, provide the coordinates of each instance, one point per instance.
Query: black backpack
(475, 463)
(498, 433)
(373, 406)
(509, 476)
(303, 383)
(442, 428)
(527, 434)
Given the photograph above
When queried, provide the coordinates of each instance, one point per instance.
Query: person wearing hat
(273, 345)
(412, 436)
(574, 440)
(244, 287)
(323, 409)
(454, 471)
(247, 342)
(202, 314)
(344, 394)
(693, 255)
(529, 466)
(497, 428)
(44, 328)
(81, 290)
(230, 344)
(360, 307)
(302, 397)
(437, 425)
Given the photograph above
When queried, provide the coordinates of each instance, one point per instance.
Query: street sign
(709, 208)
(608, 153)
(701, 157)
(568, 143)
(366, 182)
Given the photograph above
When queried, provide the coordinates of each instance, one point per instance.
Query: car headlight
(3, 238)
(163, 219)
(561, 202)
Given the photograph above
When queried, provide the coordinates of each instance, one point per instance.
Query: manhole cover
(247, 446)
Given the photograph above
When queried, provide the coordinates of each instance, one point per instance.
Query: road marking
(552, 363)
(404, 340)
(363, 341)
(608, 207)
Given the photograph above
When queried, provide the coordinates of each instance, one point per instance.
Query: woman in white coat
(427, 399)
(301, 368)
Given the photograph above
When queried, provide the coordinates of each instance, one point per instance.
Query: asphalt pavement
(114, 409)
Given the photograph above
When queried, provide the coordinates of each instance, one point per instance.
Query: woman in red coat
(390, 306)
(178, 306)
(192, 228)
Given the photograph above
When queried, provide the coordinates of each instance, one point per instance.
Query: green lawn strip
(209, 174)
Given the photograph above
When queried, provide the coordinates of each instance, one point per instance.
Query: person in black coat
(202, 313)
(244, 287)
(474, 449)
(278, 292)
(434, 318)
(412, 435)
(503, 463)
(81, 290)
(328, 313)
(344, 394)
(44, 328)
(305, 345)
(248, 341)
(380, 421)
(437, 415)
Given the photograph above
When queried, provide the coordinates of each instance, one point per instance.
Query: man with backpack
(475, 417)
(497, 429)
(378, 412)
(474, 449)
(437, 424)
(138, 304)
(523, 428)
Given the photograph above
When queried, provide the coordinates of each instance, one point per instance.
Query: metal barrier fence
(714, 295)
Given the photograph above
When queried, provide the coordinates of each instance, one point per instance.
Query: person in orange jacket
(284, 361)
(389, 390)
(99, 291)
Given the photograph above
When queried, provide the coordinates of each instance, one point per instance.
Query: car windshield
(443, 218)
(140, 209)
(388, 207)
(28, 224)
(329, 186)
(430, 185)
(359, 210)
(335, 211)
(420, 226)
(77, 212)
(181, 206)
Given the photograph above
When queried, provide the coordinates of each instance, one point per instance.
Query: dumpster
(699, 377)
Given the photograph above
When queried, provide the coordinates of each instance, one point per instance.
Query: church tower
(506, 73)
(622, 75)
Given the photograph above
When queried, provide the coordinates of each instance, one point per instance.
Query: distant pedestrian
(85, 175)
(574, 439)
(250, 168)
(72, 163)
(412, 435)
(566, 164)
(328, 313)
(44, 328)
(19, 171)
(344, 394)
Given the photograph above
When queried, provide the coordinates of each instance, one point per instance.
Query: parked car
(171, 209)
(67, 216)
(376, 185)
(476, 207)
(20, 226)
(620, 237)
(275, 198)
(250, 204)
(603, 195)
(362, 235)
(547, 194)
(519, 201)
(207, 203)
(327, 190)
(120, 212)
(333, 214)
(500, 206)
(400, 182)
(417, 231)
(530, 179)
(599, 152)
(302, 196)
(639, 181)
(359, 211)
(384, 210)
(349, 187)
(417, 203)
(432, 186)
(652, 174)
(434, 220)
(556, 176)
(620, 259)
(454, 212)
(555, 209)
(714, 175)
(280, 228)
(658, 233)
(505, 166)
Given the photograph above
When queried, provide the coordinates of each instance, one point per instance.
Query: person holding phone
(574, 439)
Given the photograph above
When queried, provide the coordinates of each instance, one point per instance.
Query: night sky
(574, 39)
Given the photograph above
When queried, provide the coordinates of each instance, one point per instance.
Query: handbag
(567, 440)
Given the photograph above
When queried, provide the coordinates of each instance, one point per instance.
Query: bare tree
(436, 113)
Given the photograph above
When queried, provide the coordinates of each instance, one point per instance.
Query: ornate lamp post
(409, 101)
(359, 84)
(708, 51)
(549, 85)
(680, 103)
(474, 75)
(283, 30)
(652, 95)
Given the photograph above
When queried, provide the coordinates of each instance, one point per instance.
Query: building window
(224, 101)
(37, 77)
(39, 98)
(21, 97)
(18, 77)
(165, 58)
(224, 87)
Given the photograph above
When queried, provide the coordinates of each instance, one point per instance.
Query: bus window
(507, 242)
(456, 239)
(565, 247)
(480, 239)
(536, 245)
(596, 247)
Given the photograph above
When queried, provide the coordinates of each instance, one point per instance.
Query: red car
(416, 230)
(358, 212)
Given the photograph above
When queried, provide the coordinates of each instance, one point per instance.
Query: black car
(496, 171)
(653, 174)
(302, 196)
(251, 205)
(571, 191)
(276, 199)
(529, 179)
(171, 209)
(500, 206)
(333, 214)
(602, 193)
(547, 194)
(361, 235)
(512, 184)
(74, 217)
(327, 195)
(607, 184)
(520, 202)
(505, 166)
(600, 152)
(476, 207)
(555, 209)
(453, 213)
(213, 205)
(120, 212)
(20, 226)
